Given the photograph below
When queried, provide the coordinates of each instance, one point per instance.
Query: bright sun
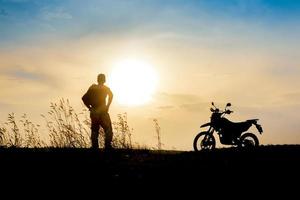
(133, 82)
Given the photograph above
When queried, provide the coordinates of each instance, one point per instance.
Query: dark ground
(275, 165)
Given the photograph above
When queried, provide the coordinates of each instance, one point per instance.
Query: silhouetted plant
(17, 139)
(157, 130)
(32, 138)
(122, 133)
(4, 137)
(69, 129)
(64, 126)
(66, 129)
(12, 134)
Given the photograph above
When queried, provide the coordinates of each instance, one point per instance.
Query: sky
(246, 52)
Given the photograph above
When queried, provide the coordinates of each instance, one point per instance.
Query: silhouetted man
(95, 99)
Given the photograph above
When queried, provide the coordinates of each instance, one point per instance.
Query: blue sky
(23, 20)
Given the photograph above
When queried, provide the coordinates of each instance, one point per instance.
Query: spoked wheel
(248, 140)
(204, 141)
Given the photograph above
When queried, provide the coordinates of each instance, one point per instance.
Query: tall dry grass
(22, 133)
(65, 128)
(158, 134)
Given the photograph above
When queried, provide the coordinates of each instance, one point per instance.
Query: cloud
(284, 71)
(24, 75)
(165, 107)
(187, 102)
(179, 98)
(290, 98)
(195, 107)
(55, 14)
(21, 74)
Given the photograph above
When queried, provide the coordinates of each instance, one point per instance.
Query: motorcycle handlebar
(228, 111)
(218, 111)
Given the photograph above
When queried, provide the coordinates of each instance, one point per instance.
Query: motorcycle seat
(254, 121)
(238, 126)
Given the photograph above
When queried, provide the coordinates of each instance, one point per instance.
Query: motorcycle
(230, 133)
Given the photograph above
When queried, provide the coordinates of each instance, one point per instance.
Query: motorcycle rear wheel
(248, 140)
(204, 141)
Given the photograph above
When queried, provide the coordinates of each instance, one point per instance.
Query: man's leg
(95, 126)
(106, 125)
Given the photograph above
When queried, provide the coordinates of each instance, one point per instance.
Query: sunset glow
(133, 82)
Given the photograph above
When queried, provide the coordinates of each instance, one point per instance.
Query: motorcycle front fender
(205, 125)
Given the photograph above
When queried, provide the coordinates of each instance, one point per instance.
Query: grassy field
(144, 166)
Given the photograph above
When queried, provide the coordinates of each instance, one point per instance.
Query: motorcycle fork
(210, 133)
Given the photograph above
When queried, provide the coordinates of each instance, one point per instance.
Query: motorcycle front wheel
(248, 140)
(204, 141)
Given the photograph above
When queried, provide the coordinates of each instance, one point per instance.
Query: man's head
(101, 78)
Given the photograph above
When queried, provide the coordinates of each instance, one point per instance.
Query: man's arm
(110, 98)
